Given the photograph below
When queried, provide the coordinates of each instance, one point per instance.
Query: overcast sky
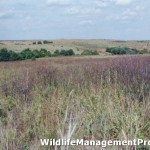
(75, 19)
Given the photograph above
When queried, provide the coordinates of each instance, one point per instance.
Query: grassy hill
(91, 98)
(77, 45)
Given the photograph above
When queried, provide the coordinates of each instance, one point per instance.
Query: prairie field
(92, 98)
(77, 45)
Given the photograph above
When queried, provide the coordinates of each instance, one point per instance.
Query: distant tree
(71, 52)
(89, 52)
(34, 42)
(43, 52)
(49, 54)
(36, 53)
(26, 54)
(56, 53)
(125, 50)
(39, 42)
(14, 56)
(47, 42)
(63, 53)
(4, 55)
(67, 52)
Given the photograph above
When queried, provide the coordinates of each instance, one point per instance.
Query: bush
(49, 54)
(144, 51)
(4, 55)
(34, 42)
(56, 53)
(89, 52)
(63, 53)
(47, 42)
(43, 53)
(125, 50)
(39, 42)
(14, 56)
(36, 54)
(69, 52)
(27, 54)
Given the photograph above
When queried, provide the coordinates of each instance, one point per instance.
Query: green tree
(71, 52)
(14, 56)
(26, 54)
(4, 55)
(36, 53)
(56, 53)
(39, 42)
(89, 52)
(43, 52)
(34, 43)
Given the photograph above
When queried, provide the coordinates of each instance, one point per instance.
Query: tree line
(43, 42)
(9, 55)
(125, 50)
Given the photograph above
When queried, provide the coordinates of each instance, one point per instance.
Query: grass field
(77, 45)
(93, 98)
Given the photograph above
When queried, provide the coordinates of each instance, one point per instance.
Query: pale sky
(74, 19)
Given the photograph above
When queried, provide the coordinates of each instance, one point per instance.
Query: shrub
(49, 54)
(69, 52)
(144, 51)
(36, 53)
(26, 54)
(47, 42)
(63, 53)
(43, 52)
(89, 52)
(56, 53)
(4, 55)
(34, 42)
(39, 42)
(125, 50)
(14, 56)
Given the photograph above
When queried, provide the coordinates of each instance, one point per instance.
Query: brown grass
(90, 98)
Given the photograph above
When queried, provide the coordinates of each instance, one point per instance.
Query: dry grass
(99, 98)
(77, 45)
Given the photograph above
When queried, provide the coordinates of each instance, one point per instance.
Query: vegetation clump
(6, 55)
(89, 52)
(63, 52)
(39, 42)
(47, 42)
(125, 50)
(44, 42)
(34, 43)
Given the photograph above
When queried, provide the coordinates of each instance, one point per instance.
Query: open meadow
(91, 98)
(78, 46)
(74, 75)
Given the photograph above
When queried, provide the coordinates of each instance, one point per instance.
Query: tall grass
(98, 98)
